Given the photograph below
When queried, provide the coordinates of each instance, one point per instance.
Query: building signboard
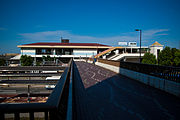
(122, 43)
(132, 44)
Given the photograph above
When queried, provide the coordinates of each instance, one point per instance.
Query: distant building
(8, 56)
(155, 48)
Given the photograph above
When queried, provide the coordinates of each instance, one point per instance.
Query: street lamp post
(140, 42)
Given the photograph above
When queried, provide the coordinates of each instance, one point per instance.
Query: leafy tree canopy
(48, 58)
(2, 62)
(149, 58)
(177, 58)
(26, 60)
(165, 57)
(168, 57)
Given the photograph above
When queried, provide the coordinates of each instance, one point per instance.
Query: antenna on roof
(61, 39)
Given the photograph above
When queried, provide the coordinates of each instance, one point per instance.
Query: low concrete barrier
(109, 67)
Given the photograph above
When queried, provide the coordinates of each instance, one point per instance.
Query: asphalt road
(111, 96)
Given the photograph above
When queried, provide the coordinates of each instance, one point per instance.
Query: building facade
(62, 50)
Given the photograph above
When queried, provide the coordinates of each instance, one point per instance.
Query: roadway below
(111, 96)
(23, 88)
(28, 81)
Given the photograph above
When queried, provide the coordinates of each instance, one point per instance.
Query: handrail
(70, 97)
(80, 108)
(29, 68)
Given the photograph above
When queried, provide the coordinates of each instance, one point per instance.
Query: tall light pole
(140, 42)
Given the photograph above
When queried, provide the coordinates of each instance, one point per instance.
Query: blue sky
(97, 21)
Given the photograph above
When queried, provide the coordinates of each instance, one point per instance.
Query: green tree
(38, 63)
(177, 58)
(26, 60)
(149, 58)
(48, 58)
(165, 57)
(2, 62)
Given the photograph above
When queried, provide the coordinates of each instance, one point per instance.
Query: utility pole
(140, 43)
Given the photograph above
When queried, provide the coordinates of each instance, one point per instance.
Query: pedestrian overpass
(87, 91)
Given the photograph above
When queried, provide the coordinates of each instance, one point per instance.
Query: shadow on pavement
(118, 97)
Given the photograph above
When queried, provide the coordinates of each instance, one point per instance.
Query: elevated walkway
(111, 96)
(89, 92)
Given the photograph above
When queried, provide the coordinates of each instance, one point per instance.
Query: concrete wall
(109, 67)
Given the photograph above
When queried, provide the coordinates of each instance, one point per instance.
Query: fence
(166, 72)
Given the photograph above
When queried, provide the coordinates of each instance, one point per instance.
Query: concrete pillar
(34, 64)
(54, 51)
(104, 57)
(21, 51)
(116, 52)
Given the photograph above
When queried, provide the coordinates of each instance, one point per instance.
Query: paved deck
(110, 96)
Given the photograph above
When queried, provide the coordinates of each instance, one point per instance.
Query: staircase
(114, 56)
(120, 56)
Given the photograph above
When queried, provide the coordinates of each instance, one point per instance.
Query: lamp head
(137, 30)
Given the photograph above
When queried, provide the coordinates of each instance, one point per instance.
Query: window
(43, 50)
(158, 51)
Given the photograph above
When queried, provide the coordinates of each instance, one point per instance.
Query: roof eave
(47, 46)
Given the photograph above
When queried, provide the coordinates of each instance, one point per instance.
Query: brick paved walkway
(92, 75)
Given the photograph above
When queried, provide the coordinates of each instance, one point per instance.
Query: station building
(64, 51)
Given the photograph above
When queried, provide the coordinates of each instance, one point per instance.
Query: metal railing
(55, 108)
(31, 68)
(166, 72)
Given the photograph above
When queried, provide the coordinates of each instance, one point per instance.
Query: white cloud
(154, 31)
(54, 36)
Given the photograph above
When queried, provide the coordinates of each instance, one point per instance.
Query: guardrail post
(53, 115)
(31, 115)
(2, 117)
(46, 115)
(16, 116)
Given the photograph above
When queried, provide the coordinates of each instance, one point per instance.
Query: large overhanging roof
(64, 45)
